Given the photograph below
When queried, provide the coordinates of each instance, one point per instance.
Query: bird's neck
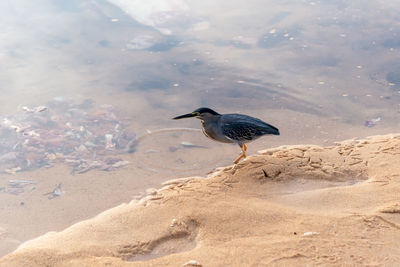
(208, 128)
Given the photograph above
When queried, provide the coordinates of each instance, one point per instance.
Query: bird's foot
(243, 156)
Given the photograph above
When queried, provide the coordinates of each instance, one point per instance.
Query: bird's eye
(196, 113)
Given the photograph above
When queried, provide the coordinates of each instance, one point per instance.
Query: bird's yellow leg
(238, 159)
(243, 155)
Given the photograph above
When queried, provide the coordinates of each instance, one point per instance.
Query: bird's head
(200, 113)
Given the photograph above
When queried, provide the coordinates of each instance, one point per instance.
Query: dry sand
(288, 206)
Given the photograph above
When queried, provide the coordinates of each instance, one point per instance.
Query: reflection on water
(319, 70)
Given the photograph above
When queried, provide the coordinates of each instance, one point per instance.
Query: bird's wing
(245, 128)
(240, 130)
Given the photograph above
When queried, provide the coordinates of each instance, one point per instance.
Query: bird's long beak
(189, 115)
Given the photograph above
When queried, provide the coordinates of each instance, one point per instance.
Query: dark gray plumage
(243, 128)
(231, 128)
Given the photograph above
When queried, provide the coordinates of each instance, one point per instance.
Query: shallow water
(320, 71)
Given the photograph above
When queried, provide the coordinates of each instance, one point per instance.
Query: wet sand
(290, 205)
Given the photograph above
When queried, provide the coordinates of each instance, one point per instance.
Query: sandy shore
(287, 206)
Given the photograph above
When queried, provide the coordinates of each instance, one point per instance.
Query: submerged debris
(17, 187)
(190, 145)
(19, 183)
(55, 193)
(62, 131)
(34, 110)
(372, 122)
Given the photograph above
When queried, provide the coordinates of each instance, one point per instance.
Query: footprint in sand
(180, 237)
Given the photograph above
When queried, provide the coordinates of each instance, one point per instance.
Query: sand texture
(288, 206)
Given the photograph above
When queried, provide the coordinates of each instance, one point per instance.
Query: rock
(192, 263)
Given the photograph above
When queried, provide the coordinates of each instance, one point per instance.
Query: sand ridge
(291, 205)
